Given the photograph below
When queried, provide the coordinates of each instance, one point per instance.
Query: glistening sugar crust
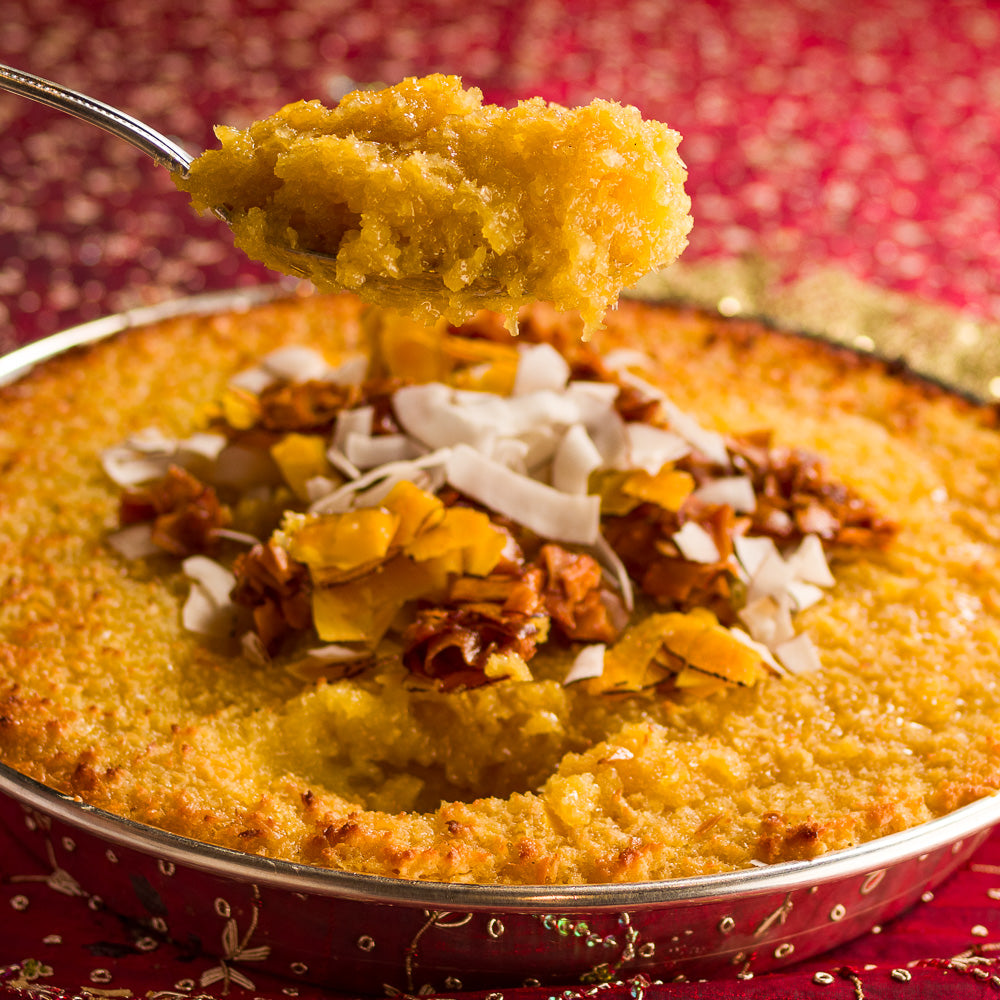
(103, 693)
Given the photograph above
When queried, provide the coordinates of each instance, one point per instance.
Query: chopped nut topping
(454, 646)
(184, 511)
(276, 589)
(796, 497)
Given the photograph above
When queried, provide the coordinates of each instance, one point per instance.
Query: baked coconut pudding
(319, 582)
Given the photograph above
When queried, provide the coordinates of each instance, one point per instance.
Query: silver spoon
(168, 154)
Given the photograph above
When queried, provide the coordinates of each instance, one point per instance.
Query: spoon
(169, 154)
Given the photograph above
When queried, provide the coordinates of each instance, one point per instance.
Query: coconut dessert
(421, 197)
(320, 582)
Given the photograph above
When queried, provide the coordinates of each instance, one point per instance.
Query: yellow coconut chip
(363, 609)
(240, 408)
(301, 458)
(622, 492)
(421, 353)
(701, 656)
(344, 541)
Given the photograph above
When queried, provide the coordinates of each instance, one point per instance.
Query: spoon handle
(163, 150)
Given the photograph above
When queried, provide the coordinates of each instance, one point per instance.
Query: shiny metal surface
(368, 933)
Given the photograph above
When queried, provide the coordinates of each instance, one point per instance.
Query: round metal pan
(370, 934)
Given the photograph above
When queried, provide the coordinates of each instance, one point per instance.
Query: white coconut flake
(563, 517)
(758, 647)
(254, 650)
(342, 463)
(751, 551)
(589, 662)
(711, 444)
(770, 578)
(359, 420)
(798, 655)
(539, 366)
(203, 445)
(367, 452)
(295, 364)
(650, 448)
(427, 472)
(349, 372)
(610, 561)
(625, 357)
(240, 537)
(768, 620)
(125, 466)
(736, 491)
(335, 653)
(320, 486)
(804, 595)
(134, 542)
(575, 458)
(208, 609)
(696, 544)
(151, 441)
(254, 380)
(809, 563)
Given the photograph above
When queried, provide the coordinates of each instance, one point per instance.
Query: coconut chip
(562, 517)
(208, 609)
(589, 662)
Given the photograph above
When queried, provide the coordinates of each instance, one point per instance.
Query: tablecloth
(846, 157)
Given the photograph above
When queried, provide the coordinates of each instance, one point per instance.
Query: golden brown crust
(103, 695)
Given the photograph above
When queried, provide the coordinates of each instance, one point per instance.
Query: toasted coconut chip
(135, 541)
(562, 517)
(368, 452)
(539, 366)
(650, 448)
(208, 609)
(809, 562)
(736, 491)
(798, 655)
(589, 662)
(696, 544)
(296, 364)
(575, 458)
